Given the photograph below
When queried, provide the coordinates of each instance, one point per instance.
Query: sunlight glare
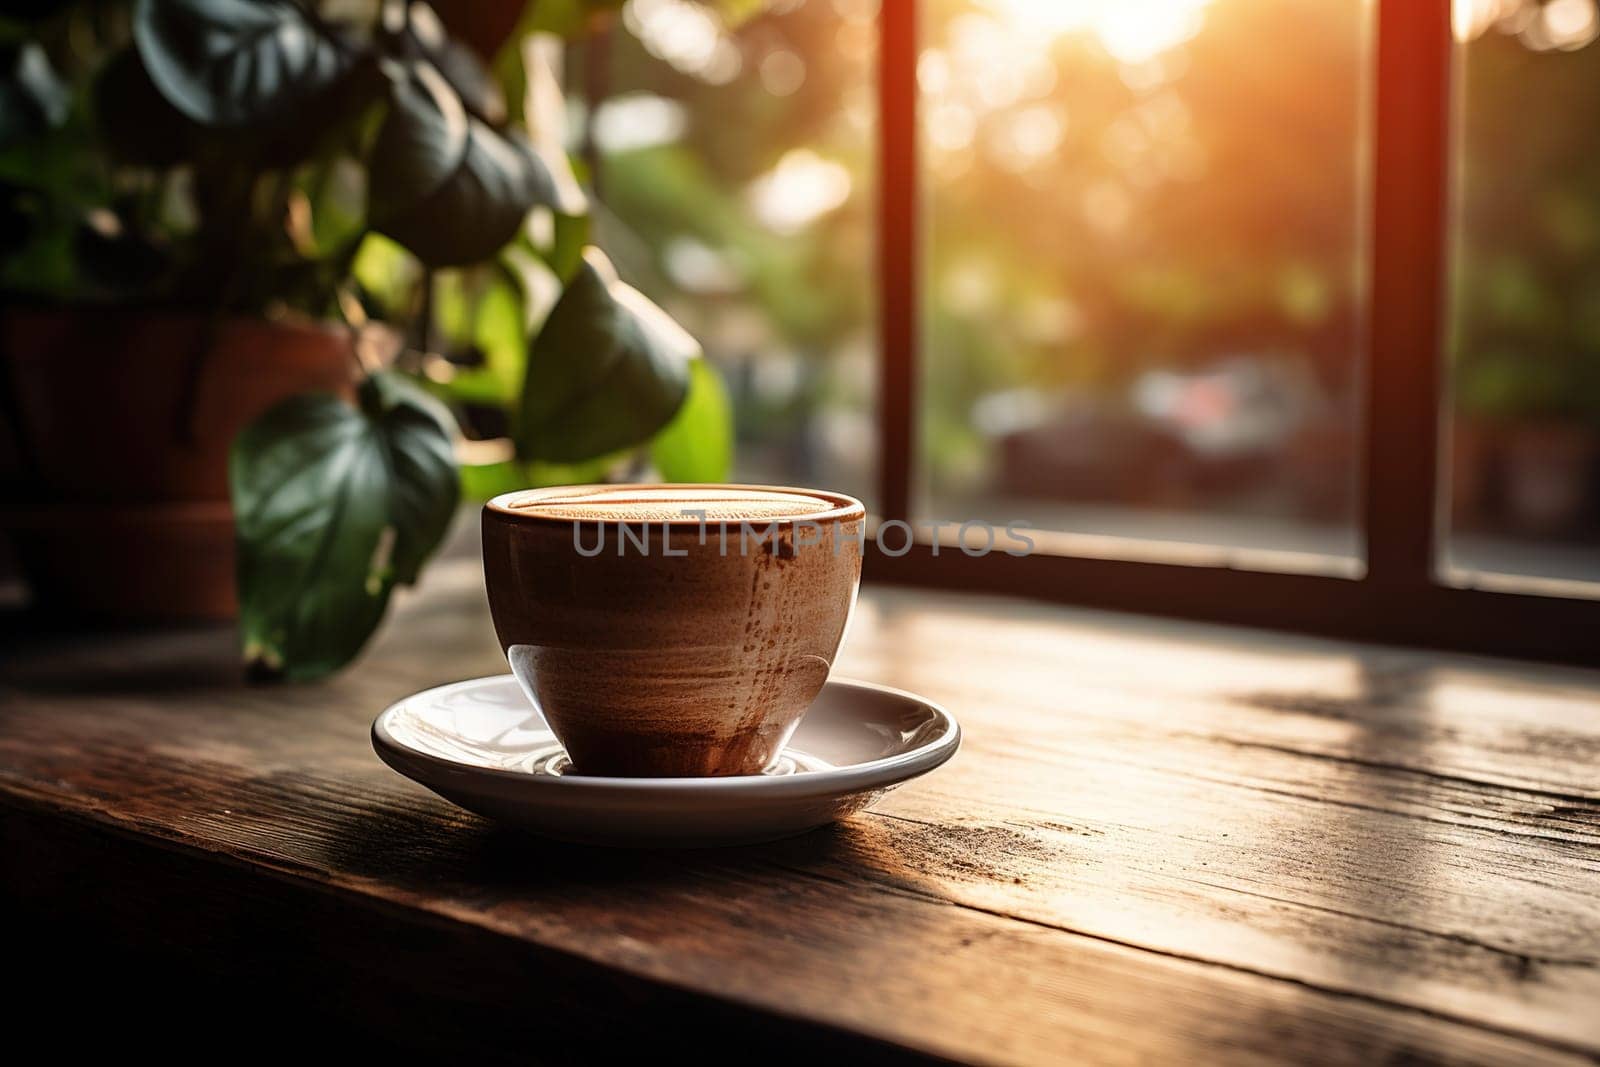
(1564, 25)
(1472, 17)
(1131, 31)
(1568, 24)
(799, 190)
(688, 36)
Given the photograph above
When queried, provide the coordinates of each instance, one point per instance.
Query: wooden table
(1160, 842)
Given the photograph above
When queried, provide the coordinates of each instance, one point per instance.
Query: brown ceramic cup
(672, 630)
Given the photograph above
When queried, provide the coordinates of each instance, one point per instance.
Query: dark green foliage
(244, 156)
(334, 506)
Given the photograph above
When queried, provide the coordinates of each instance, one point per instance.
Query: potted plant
(270, 265)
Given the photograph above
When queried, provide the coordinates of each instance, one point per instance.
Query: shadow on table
(424, 845)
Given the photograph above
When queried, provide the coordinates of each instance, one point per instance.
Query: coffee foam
(634, 504)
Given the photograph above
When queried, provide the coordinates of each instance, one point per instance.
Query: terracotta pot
(166, 561)
(118, 504)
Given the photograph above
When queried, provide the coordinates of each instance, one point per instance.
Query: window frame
(1398, 597)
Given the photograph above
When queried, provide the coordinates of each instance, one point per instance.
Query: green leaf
(445, 184)
(387, 273)
(485, 480)
(33, 98)
(231, 63)
(332, 507)
(697, 445)
(335, 189)
(481, 481)
(412, 31)
(536, 474)
(555, 240)
(607, 370)
(492, 318)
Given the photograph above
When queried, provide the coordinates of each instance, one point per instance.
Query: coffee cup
(672, 630)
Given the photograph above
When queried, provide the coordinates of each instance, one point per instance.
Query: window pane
(735, 177)
(1142, 287)
(1523, 436)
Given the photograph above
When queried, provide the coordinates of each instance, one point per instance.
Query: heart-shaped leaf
(230, 63)
(333, 506)
(607, 370)
(412, 30)
(141, 126)
(697, 445)
(444, 183)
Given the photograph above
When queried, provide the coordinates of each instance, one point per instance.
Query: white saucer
(482, 745)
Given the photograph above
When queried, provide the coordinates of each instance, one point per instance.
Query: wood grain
(1160, 841)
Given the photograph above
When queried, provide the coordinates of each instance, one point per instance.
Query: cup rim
(846, 507)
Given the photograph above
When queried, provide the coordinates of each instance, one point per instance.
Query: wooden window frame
(1398, 596)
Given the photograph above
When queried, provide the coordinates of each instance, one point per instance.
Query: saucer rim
(886, 770)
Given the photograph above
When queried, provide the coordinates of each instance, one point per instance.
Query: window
(1523, 442)
(1277, 312)
(1142, 297)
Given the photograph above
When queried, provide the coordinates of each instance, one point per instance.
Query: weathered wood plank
(768, 927)
(1140, 807)
(1160, 839)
